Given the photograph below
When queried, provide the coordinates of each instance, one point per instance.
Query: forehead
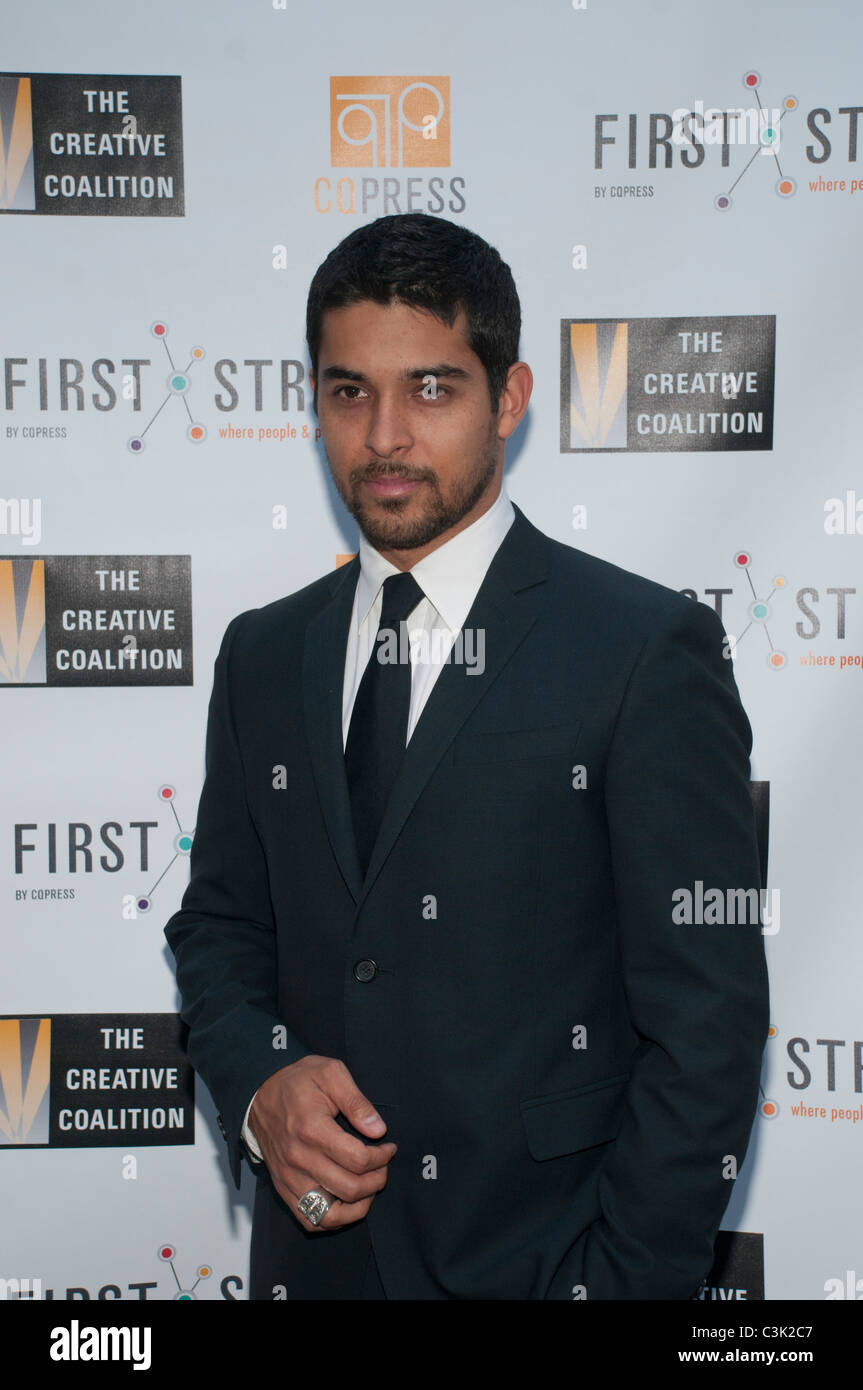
(392, 336)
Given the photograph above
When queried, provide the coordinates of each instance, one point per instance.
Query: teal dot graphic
(184, 844)
(178, 382)
(760, 610)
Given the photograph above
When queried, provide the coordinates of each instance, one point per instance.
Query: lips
(392, 487)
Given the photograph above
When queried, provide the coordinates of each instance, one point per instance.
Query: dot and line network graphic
(178, 382)
(760, 611)
(182, 847)
(168, 1253)
(768, 141)
(768, 1108)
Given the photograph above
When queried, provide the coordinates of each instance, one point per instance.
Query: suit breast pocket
(574, 1120)
(516, 745)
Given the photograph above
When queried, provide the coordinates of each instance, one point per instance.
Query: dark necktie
(379, 721)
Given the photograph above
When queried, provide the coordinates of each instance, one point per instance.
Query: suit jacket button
(221, 1124)
(365, 970)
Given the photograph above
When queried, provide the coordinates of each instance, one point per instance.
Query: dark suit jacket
(506, 908)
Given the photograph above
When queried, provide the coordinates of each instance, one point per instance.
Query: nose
(389, 426)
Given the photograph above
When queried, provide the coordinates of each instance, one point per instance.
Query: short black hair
(432, 264)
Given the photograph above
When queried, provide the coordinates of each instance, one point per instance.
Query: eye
(432, 391)
(348, 387)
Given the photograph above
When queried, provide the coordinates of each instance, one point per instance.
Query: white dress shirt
(450, 578)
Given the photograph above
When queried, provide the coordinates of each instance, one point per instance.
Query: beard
(383, 521)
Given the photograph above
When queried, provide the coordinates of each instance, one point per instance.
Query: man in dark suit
(431, 955)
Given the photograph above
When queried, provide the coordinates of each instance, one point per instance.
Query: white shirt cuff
(249, 1138)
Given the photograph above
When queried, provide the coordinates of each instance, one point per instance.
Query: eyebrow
(440, 369)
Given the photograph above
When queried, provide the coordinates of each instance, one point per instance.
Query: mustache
(369, 472)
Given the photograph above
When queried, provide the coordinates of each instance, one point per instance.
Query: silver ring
(315, 1204)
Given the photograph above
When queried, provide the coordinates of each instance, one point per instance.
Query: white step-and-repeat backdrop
(678, 191)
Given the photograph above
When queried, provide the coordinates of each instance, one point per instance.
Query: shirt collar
(451, 575)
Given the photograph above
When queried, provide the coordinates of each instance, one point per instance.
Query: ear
(514, 399)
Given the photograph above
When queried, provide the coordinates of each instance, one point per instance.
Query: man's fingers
(344, 1214)
(296, 1184)
(297, 1117)
(335, 1081)
(318, 1149)
(349, 1187)
(345, 1151)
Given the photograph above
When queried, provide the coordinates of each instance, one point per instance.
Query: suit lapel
(520, 563)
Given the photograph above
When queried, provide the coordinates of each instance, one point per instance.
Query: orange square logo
(389, 122)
